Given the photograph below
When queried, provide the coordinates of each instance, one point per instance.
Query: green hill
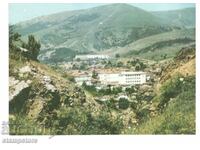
(155, 47)
(184, 17)
(104, 28)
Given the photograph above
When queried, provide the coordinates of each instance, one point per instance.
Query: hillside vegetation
(155, 46)
(111, 28)
(175, 100)
(45, 100)
(184, 17)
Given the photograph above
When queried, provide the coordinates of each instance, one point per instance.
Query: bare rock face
(16, 87)
(25, 69)
(46, 80)
(38, 92)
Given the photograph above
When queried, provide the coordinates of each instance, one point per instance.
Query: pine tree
(34, 47)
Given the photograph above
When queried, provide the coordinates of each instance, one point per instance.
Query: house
(123, 78)
(132, 78)
(109, 78)
(81, 79)
(91, 57)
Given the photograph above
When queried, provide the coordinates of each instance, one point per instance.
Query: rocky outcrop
(46, 80)
(16, 87)
(183, 64)
(38, 91)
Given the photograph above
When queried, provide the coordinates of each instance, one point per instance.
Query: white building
(109, 78)
(123, 78)
(83, 78)
(91, 57)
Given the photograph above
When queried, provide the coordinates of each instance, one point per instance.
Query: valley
(113, 69)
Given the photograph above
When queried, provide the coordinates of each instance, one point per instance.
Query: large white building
(83, 78)
(123, 78)
(91, 57)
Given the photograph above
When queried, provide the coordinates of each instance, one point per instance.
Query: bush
(142, 114)
(130, 90)
(80, 121)
(170, 90)
(33, 48)
(117, 55)
(21, 125)
(123, 103)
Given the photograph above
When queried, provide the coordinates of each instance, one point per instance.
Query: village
(106, 78)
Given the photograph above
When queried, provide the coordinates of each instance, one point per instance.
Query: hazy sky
(21, 12)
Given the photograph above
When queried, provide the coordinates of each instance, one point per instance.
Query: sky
(24, 11)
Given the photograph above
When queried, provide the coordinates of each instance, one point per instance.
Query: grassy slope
(183, 17)
(144, 43)
(177, 118)
(175, 99)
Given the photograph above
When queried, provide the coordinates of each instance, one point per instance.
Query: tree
(94, 74)
(84, 84)
(142, 66)
(82, 66)
(117, 55)
(33, 47)
(120, 64)
(74, 67)
(123, 103)
(130, 90)
(78, 59)
(164, 56)
(13, 37)
(137, 67)
(109, 64)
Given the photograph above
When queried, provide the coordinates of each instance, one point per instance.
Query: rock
(16, 87)
(23, 49)
(133, 98)
(146, 87)
(12, 81)
(25, 69)
(29, 81)
(152, 108)
(50, 87)
(46, 79)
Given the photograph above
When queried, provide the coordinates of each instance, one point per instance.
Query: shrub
(33, 47)
(123, 103)
(170, 90)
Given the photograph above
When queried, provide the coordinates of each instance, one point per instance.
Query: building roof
(138, 72)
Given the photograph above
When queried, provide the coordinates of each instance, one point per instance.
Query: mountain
(99, 29)
(96, 28)
(156, 46)
(183, 17)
